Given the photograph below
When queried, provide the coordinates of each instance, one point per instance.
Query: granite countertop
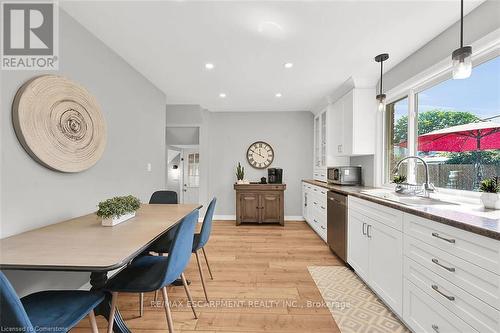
(473, 218)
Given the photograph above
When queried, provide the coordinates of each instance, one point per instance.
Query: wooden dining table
(83, 244)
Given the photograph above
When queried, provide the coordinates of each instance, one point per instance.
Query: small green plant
(399, 179)
(240, 172)
(490, 185)
(118, 206)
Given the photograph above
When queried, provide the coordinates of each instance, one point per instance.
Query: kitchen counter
(482, 222)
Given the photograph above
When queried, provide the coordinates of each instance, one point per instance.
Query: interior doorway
(184, 163)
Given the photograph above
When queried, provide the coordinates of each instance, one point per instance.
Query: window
(456, 130)
(396, 135)
(193, 170)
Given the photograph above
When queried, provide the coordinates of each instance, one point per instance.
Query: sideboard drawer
(477, 281)
(479, 250)
(472, 310)
(424, 315)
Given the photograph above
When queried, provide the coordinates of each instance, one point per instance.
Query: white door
(357, 244)
(191, 176)
(386, 263)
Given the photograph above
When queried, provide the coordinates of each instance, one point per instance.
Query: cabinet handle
(449, 269)
(436, 288)
(368, 229)
(322, 227)
(322, 191)
(449, 240)
(435, 328)
(315, 202)
(315, 220)
(315, 189)
(364, 225)
(322, 207)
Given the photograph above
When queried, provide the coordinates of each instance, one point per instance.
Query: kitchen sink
(409, 200)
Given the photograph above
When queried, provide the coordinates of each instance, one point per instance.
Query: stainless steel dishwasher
(337, 224)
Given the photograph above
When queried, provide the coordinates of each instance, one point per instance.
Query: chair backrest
(206, 227)
(181, 248)
(164, 197)
(13, 317)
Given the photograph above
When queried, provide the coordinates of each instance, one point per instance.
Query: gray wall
(367, 168)
(477, 24)
(33, 196)
(289, 133)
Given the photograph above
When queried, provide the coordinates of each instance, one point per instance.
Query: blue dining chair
(46, 311)
(201, 239)
(150, 273)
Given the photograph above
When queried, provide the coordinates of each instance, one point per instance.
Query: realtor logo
(29, 36)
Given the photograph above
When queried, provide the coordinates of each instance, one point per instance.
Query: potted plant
(118, 209)
(240, 174)
(399, 180)
(490, 189)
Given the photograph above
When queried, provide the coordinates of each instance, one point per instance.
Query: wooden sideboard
(260, 203)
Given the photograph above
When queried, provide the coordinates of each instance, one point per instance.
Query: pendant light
(462, 57)
(381, 97)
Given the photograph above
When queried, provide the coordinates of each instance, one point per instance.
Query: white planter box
(117, 220)
(491, 200)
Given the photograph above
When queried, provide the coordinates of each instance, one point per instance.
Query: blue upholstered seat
(162, 244)
(201, 239)
(149, 273)
(46, 311)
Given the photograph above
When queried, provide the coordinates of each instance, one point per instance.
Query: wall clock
(260, 155)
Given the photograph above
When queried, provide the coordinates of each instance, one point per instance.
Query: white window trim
(485, 49)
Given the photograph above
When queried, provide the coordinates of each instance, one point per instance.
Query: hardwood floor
(261, 284)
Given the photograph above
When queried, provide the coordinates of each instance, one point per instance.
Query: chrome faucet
(427, 187)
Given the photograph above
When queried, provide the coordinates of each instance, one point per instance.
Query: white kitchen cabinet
(375, 249)
(357, 244)
(314, 208)
(324, 126)
(353, 116)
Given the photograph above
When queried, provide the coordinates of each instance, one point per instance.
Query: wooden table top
(83, 244)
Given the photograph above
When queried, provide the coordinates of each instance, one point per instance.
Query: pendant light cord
(461, 23)
(381, 76)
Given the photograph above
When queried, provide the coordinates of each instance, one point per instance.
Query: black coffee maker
(274, 175)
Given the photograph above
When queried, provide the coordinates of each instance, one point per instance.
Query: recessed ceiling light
(222, 95)
(278, 95)
(288, 65)
(209, 66)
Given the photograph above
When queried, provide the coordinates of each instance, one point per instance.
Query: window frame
(487, 48)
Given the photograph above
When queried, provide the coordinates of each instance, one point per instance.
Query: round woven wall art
(59, 123)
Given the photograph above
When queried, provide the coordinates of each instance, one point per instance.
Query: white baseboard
(233, 217)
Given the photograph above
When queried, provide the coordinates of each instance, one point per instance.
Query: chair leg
(93, 323)
(206, 260)
(188, 293)
(111, 319)
(170, 322)
(156, 296)
(201, 274)
(141, 304)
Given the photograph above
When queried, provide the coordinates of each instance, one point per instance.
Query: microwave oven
(344, 175)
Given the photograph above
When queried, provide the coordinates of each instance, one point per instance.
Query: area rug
(355, 308)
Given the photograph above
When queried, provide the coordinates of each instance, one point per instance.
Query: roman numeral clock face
(260, 155)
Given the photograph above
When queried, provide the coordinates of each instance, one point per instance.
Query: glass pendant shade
(462, 62)
(381, 102)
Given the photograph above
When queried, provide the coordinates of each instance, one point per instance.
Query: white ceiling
(170, 41)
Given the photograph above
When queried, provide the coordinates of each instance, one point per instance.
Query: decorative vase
(240, 181)
(112, 221)
(490, 200)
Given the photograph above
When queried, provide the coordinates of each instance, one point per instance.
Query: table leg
(98, 281)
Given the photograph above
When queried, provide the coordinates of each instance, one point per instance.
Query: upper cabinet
(353, 118)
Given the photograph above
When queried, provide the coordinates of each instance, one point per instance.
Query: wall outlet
(148, 167)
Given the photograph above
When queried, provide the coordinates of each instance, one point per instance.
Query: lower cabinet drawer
(477, 281)
(422, 313)
(318, 222)
(472, 310)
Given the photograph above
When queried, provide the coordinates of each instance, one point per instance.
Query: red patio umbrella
(469, 137)
(461, 138)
